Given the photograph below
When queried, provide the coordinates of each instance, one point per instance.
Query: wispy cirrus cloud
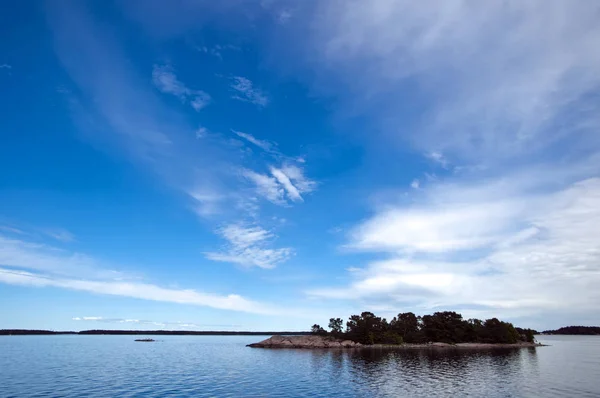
(285, 184)
(31, 264)
(130, 322)
(164, 78)
(218, 49)
(156, 136)
(12, 230)
(59, 234)
(249, 246)
(18, 228)
(139, 290)
(488, 89)
(262, 144)
(266, 186)
(27, 254)
(247, 92)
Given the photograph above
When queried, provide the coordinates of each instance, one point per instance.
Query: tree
(407, 325)
(366, 328)
(318, 330)
(527, 335)
(335, 325)
(496, 331)
(447, 327)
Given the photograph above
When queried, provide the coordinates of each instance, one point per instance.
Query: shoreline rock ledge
(304, 342)
(311, 341)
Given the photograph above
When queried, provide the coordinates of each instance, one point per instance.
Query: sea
(222, 366)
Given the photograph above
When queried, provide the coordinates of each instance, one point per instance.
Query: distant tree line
(22, 332)
(16, 332)
(447, 327)
(582, 330)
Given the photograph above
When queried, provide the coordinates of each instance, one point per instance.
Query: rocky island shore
(304, 342)
(313, 342)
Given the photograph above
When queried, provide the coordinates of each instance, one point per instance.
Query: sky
(267, 165)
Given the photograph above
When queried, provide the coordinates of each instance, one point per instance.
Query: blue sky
(267, 165)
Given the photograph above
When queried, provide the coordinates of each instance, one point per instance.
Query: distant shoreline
(574, 331)
(28, 332)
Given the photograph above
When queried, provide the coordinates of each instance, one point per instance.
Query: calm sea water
(215, 366)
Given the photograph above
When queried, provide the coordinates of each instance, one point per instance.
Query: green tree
(496, 331)
(407, 325)
(318, 330)
(447, 327)
(336, 325)
(366, 328)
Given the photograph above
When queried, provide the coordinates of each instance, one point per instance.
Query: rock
(145, 340)
(304, 342)
(440, 345)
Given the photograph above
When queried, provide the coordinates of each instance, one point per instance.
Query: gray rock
(304, 342)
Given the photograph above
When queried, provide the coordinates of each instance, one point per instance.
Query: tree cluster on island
(446, 327)
(576, 330)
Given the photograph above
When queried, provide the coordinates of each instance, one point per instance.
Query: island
(576, 330)
(445, 329)
(145, 340)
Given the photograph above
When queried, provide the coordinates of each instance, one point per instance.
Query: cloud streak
(147, 323)
(264, 145)
(249, 246)
(495, 81)
(165, 80)
(143, 291)
(246, 92)
(32, 264)
(285, 184)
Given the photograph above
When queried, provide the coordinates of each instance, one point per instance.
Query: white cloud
(284, 180)
(59, 234)
(12, 230)
(208, 200)
(532, 254)
(149, 323)
(494, 81)
(31, 264)
(35, 256)
(248, 246)
(200, 100)
(452, 226)
(218, 49)
(415, 184)
(264, 145)
(143, 291)
(165, 80)
(288, 181)
(201, 132)
(438, 158)
(247, 92)
(296, 174)
(266, 186)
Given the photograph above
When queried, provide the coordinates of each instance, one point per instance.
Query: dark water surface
(216, 366)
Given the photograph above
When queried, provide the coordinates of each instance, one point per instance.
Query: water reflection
(190, 366)
(432, 372)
